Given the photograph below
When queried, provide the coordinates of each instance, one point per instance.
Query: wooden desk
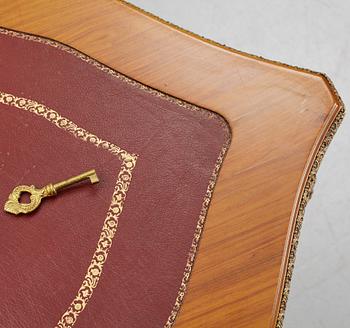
(282, 120)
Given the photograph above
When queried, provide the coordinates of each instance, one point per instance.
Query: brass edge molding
(70, 316)
(109, 228)
(231, 49)
(310, 180)
(305, 198)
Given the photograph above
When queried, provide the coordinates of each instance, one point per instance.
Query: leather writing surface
(176, 149)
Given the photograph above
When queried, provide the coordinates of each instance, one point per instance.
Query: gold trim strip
(110, 224)
(196, 238)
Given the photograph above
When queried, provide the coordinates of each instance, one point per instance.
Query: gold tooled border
(310, 180)
(212, 182)
(109, 228)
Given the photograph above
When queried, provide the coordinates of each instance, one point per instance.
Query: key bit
(15, 206)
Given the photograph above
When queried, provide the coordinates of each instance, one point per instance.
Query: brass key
(14, 206)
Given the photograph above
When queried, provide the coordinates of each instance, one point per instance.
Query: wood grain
(279, 116)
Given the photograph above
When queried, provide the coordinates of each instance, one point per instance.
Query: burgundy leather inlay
(44, 256)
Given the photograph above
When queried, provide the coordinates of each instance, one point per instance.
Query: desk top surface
(282, 119)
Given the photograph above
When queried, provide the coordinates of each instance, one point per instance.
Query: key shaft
(81, 177)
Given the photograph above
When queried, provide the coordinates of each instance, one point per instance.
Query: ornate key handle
(14, 206)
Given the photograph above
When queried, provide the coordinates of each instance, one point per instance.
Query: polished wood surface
(279, 116)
